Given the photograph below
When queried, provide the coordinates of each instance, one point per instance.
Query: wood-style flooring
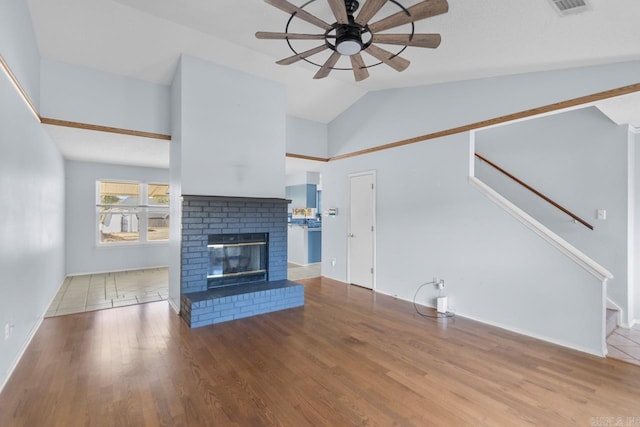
(348, 357)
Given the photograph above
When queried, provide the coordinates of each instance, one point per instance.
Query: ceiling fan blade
(395, 62)
(285, 6)
(295, 58)
(326, 68)
(291, 36)
(370, 8)
(359, 69)
(422, 10)
(418, 40)
(339, 10)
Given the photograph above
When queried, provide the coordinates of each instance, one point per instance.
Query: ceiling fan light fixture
(348, 40)
(349, 47)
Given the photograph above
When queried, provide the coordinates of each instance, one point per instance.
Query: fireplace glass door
(236, 259)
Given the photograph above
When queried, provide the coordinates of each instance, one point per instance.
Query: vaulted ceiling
(480, 38)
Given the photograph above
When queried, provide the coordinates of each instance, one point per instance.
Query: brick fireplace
(208, 222)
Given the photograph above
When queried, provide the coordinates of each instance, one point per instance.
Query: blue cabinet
(304, 234)
(315, 245)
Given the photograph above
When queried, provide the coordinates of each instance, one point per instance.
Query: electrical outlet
(7, 331)
(333, 262)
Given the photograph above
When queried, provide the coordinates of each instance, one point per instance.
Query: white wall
(18, 46)
(233, 132)
(391, 115)
(430, 222)
(306, 137)
(228, 139)
(84, 256)
(303, 178)
(32, 189)
(79, 94)
(175, 173)
(578, 159)
(634, 211)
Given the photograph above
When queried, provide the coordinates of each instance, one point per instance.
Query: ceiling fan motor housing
(349, 38)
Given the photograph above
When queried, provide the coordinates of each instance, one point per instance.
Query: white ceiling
(480, 38)
(622, 109)
(295, 166)
(90, 146)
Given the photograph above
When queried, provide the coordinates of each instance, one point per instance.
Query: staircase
(601, 274)
(612, 320)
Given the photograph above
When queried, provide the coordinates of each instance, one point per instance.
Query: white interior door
(361, 229)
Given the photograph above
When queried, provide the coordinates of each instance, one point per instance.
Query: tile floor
(99, 291)
(299, 272)
(624, 344)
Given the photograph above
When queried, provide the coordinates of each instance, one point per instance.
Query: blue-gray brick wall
(204, 215)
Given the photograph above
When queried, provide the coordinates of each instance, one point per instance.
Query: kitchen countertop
(305, 226)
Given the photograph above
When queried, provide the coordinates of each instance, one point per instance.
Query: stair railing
(536, 192)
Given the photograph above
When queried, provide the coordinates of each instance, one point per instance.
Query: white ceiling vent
(569, 7)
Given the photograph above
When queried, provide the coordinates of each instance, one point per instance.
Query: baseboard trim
(174, 306)
(536, 336)
(298, 265)
(515, 330)
(14, 364)
(32, 333)
(116, 271)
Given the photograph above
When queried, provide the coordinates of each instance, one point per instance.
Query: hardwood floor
(349, 357)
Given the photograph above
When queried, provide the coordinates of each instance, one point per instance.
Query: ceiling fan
(352, 33)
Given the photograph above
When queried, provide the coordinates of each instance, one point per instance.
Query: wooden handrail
(536, 192)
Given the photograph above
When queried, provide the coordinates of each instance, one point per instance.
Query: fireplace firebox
(236, 259)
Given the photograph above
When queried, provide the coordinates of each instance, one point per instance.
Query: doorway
(361, 230)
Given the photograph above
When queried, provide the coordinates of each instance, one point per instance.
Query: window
(132, 212)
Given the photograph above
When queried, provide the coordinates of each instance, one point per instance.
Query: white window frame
(142, 211)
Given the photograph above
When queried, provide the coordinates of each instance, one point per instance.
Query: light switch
(601, 214)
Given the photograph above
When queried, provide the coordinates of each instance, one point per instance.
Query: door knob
(351, 235)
